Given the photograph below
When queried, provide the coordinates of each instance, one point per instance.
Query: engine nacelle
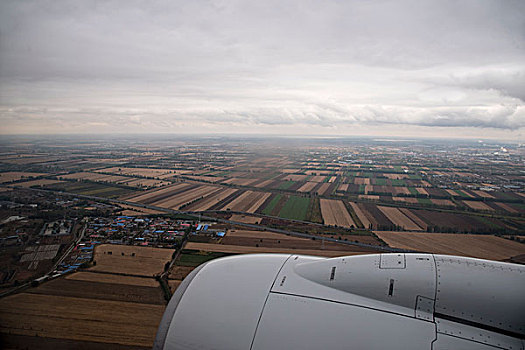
(395, 301)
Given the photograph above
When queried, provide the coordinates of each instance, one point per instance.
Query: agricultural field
(335, 213)
(238, 249)
(307, 187)
(112, 279)
(263, 239)
(295, 208)
(248, 201)
(210, 201)
(17, 175)
(144, 172)
(132, 260)
(78, 321)
(477, 246)
(155, 195)
(38, 183)
(365, 221)
(184, 198)
(247, 219)
(397, 217)
(477, 205)
(90, 189)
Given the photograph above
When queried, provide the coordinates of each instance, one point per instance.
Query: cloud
(164, 65)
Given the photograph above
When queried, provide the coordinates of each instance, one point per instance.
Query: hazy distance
(386, 68)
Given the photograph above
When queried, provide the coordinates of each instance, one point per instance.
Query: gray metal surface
(485, 292)
(292, 322)
(394, 301)
(220, 308)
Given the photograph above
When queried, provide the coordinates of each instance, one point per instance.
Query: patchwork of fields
(116, 304)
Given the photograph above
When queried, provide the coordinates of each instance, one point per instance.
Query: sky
(361, 68)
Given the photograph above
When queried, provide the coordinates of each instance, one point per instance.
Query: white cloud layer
(355, 67)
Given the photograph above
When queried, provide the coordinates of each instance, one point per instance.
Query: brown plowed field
(399, 218)
(307, 187)
(443, 202)
(239, 201)
(145, 172)
(414, 218)
(334, 213)
(40, 182)
(208, 202)
(82, 319)
(294, 177)
(506, 207)
(146, 183)
(323, 188)
(175, 202)
(240, 182)
(478, 246)
(236, 249)
(483, 194)
(140, 210)
(361, 215)
(342, 188)
(16, 175)
(180, 272)
(477, 205)
(372, 197)
(452, 193)
(249, 201)
(421, 190)
(317, 178)
(396, 176)
(101, 291)
(264, 183)
(405, 199)
(362, 181)
(261, 198)
(154, 195)
(146, 262)
(112, 279)
(400, 190)
(247, 219)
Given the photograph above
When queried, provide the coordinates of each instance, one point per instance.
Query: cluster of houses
(138, 231)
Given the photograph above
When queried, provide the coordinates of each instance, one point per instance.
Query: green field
(424, 201)
(380, 182)
(269, 208)
(195, 258)
(413, 191)
(398, 182)
(462, 194)
(295, 208)
(285, 185)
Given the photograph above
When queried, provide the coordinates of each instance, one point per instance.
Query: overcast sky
(398, 68)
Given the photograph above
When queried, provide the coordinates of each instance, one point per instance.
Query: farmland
(16, 176)
(335, 213)
(79, 319)
(238, 249)
(140, 261)
(457, 197)
(479, 246)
